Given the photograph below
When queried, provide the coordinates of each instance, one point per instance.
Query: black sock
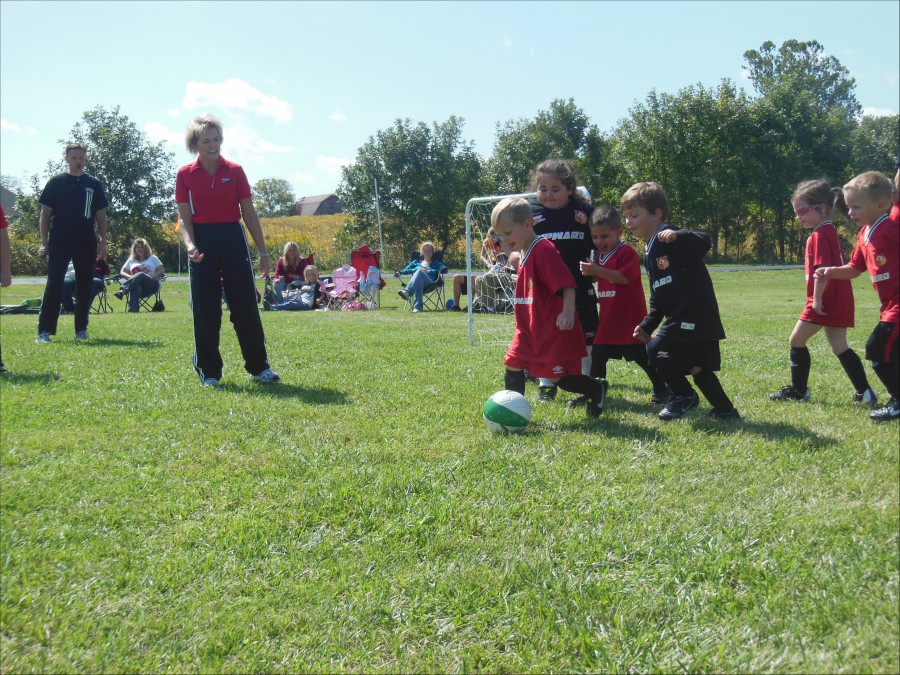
(514, 380)
(579, 384)
(709, 384)
(854, 368)
(889, 374)
(677, 382)
(800, 365)
(659, 384)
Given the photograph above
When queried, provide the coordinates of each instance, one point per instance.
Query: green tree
(273, 197)
(138, 176)
(425, 176)
(876, 144)
(564, 132)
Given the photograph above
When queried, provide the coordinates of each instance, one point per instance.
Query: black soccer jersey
(75, 201)
(681, 289)
(569, 230)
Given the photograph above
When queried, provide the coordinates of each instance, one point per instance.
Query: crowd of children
(567, 246)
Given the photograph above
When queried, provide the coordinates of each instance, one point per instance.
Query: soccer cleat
(732, 414)
(43, 338)
(594, 406)
(547, 394)
(867, 397)
(268, 376)
(82, 335)
(578, 402)
(788, 393)
(211, 383)
(678, 406)
(661, 396)
(889, 412)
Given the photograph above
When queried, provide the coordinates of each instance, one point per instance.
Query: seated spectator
(425, 272)
(101, 271)
(311, 295)
(289, 269)
(490, 249)
(142, 272)
(495, 288)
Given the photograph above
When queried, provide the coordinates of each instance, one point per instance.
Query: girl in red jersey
(829, 306)
(616, 268)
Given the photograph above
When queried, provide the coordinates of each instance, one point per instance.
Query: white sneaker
(43, 338)
(211, 382)
(82, 335)
(268, 376)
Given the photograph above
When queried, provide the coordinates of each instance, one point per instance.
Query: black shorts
(883, 345)
(633, 352)
(590, 321)
(683, 355)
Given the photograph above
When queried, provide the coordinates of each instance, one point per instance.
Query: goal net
(490, 296)
(490, 290)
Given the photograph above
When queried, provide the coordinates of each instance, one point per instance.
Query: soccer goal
(490, 303)
(490, 319)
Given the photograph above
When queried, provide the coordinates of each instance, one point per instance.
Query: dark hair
(563, 171)
(75, 145)
(820, 193)
(606, 216)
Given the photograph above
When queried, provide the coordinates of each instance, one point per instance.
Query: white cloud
(745, 74)
(337, 116)
(235, 94)
(158, 132)
(174, 112)
(878, 112)
(506, 43)
(332, 165)
(303, 178)
(17, 129)
(245, 141)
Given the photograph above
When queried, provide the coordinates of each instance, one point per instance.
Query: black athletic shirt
(75, 201)
(681, 289)
(569, 230)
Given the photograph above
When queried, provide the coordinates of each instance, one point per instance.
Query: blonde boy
(548, 341)
(868, 198)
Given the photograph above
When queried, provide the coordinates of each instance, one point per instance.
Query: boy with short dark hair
(868, 198)
(681, 291)
(548, 341)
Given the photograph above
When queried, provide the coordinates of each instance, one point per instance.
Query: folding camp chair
(433, 294)
(345, 287)
(100, 304)
(150, 303)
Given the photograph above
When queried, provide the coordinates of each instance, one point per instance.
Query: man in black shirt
(70, 204)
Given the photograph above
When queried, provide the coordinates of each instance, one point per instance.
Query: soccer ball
(507, 411)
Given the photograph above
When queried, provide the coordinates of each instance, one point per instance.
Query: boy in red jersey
(548, 341)
(868, 197)
(615, 266)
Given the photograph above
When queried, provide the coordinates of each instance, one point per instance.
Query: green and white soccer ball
(507, 411)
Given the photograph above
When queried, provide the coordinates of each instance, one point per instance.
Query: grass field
(360, 517)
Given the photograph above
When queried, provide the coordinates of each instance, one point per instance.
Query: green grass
(360, 517)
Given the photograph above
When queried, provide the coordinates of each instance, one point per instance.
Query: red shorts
(550, 371)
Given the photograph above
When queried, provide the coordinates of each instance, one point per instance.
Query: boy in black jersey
(681, 291)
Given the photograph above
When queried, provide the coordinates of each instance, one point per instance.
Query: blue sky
(301, 86)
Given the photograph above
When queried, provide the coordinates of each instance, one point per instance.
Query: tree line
(728, 159)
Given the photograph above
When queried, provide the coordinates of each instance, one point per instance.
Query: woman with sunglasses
(828, 305)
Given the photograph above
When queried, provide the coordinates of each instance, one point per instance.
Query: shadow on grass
(609, 425)
(28, 378)
(291, 391)
(120, 342)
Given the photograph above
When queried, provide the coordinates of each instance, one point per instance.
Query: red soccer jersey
(213, 199)
(823, 249)
(622, 306)
(538, 302)
(878, 251)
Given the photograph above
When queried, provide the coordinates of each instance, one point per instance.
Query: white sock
(544, 382)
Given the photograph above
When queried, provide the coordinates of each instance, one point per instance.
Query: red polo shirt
(213, 199)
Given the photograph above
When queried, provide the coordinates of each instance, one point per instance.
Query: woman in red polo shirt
(213, 195)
